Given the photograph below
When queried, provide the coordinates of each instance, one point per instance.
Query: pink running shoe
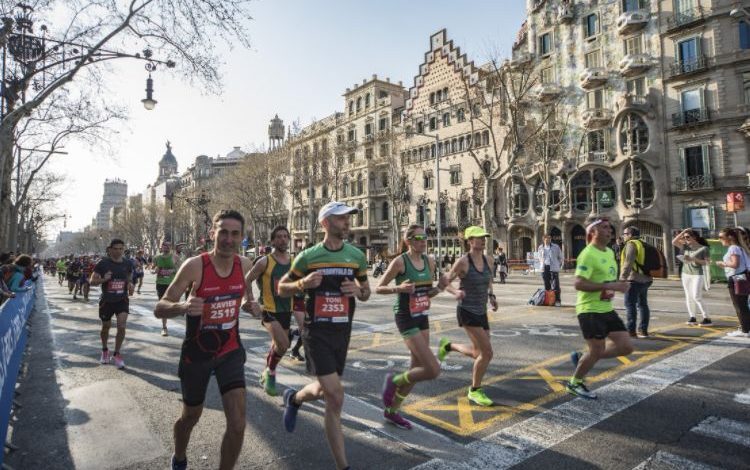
(397, 420)
(105, 357)
(389, 391)
(119, 363)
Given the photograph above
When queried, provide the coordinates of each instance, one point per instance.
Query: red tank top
(216, 332)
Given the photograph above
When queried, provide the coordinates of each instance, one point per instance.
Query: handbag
(741, 281)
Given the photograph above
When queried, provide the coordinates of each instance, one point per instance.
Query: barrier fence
(14, 314)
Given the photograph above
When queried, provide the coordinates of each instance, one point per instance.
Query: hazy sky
(304, 55)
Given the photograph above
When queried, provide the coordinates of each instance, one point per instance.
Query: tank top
(268, 284)
(418, 303)
(475, 285)
(216, 332)
(165, 269)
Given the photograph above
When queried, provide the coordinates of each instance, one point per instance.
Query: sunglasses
(418, 238)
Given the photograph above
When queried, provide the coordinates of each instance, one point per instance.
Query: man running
(115, 275)
(166, 265)
(87, 268)
(61, 268)
(140, 265)
(212, 343)
(74, 271)
(331, 274)
(596, 283)
(277, 311)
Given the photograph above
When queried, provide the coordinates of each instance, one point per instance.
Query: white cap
(335, 208)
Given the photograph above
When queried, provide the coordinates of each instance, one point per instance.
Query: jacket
(556, 257)
(628, 270)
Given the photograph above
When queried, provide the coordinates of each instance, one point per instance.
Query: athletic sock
(575, 381)
(397, 400)
(401, 379)
(272, 359)
(474, 389)
(448, 347)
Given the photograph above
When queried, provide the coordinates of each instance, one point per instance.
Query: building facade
(115, 195)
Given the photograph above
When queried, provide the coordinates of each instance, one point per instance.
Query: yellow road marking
(551, 380)
(376, 340)
(438, 326)
(624, 360)
(465, 418)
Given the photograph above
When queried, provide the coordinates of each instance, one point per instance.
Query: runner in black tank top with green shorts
(475, 271)
(413, 271)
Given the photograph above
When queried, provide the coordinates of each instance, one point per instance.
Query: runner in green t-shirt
(596, 283)
(165, 267)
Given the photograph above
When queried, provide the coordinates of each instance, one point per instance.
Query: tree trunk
(488, 219)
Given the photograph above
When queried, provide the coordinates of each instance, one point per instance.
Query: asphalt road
(682, 400)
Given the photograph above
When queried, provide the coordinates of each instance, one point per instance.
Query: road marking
(743, 398)
(624, 360)
(726, 429)
(519, 442)
(438, 326)
(666, 460)
(376, 340)
(552, 381)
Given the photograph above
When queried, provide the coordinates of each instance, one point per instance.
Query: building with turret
(115, 195)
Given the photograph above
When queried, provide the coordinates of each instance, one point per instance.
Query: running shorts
(599, 325)
(466, 318)
(194, 376)
(284, 318)
(325, 351)
(107, 309)
(160, 290)
(408, 326)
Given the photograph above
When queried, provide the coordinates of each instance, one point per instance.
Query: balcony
(384, 134)
(632, 21)
(637, 102)
(369, 139)
(633, 64)
(695, 183)
(548, 92)
(565, 14)
(351, 145)
(597, 117)
(684, 19)
(688, 67)
(597, 156)
(593, 77)
(691, 117)
(520, 60)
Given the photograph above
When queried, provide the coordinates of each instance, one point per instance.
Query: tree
(398, 185)
(95, 32)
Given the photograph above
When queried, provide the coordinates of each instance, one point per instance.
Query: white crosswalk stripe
(726, 429)
(666, 461)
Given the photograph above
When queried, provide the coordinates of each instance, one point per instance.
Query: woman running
(475, 271)
(413, 271)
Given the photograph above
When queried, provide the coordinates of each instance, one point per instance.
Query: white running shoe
(119, 363)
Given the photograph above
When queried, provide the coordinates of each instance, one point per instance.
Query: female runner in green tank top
(413, 271)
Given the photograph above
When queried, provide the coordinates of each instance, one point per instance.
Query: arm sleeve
(584, 267)
(99, 268)
(16, 281)
(627, 266)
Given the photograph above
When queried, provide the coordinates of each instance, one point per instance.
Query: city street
(682, 400)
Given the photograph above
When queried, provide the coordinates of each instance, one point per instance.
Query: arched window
(360, 184)
(359, 103)
(580, 188)
(367, 100)
(744, 27)
(345, 187)
(540, 196)
(633, 135)
(486, 138)
(518, 197)
(432, 98)
(351, 107)
(461, 144)
(385, 214)
(638, 187)
(604, 190)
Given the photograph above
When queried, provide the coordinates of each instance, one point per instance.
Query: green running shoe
(268, 380)
(443, 349)
(478, 397)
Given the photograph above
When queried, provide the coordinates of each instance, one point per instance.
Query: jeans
(552, 281)
(636, 296)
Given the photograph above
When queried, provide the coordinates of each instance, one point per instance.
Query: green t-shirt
(598, 266)
(700, 253)
(165, 269)
(325, 306)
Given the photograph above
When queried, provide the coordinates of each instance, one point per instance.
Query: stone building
(115, 195)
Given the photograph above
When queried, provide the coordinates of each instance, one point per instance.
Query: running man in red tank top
(212, 343)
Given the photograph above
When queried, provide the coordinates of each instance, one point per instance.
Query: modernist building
(115, 195)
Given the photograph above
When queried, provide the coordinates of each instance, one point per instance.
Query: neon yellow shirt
(597, 266)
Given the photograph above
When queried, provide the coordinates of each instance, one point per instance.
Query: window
(604, 190)
(420, 127)
(427, 180)
(324, 194)
(688, 55)
(368, 129)
(595, 99)
(633, 45)
(360, 185)
(691, 103)
(385, 211)
(519, 198)
(351, 157)
(384, 150)
(548, 75)
(700, 217)
(633, 135)
(382, 94)
(461, 115)
(486, 138)
(384, 180)
(340, 139)
(455, 172)
(350, 136)
(433, 123)
(432, 98)
(382, 124)
(591, 26)
(632, 5)
(593, 59)
(746, 86)
(446, 119)
(580, 188)
(439, 96)
(463, 211)
(368, 153)
(636, 87)
(694, 164)
(596, 145)
(359, 103)
(545, 43)
(638, 190)
(351, 107)
(367, 100)
(744, 28)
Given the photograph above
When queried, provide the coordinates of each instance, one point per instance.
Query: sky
(304, 54)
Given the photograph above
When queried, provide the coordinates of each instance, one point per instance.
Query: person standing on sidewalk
(736, 262)
(551, 260)
(165, 265)
(695, 260)
(212, 344)
(475, 272)
(115, 274)
(636, 298)
(331, 274)
(596, 283)
(501, 260)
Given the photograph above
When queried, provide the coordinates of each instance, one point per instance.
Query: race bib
(220, 312)
(419, 304)
(331, 307)
(116, 286)
(164, 272)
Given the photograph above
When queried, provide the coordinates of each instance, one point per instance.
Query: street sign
(735, 202)
(245, 243)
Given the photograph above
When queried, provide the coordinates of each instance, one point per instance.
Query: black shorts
(284, 318)
(229, 370)
(599, 325)
(137, 275)
(466, 318)
(73, 277)
(408, 326)
(325, 350)
(160, 290)
(107, 309)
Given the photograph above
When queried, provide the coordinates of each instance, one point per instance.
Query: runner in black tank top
(475, 271)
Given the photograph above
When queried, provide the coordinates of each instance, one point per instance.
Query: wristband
(300, 285)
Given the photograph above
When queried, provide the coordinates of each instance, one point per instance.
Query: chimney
(400, 83)
(388, 79)
(374, 76)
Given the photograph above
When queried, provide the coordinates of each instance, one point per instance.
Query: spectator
(694, 260)
(735, 262)
(18, 278)
(501, 260)
(447, 262)
(551, 260)
(7, 271)
(632, 259)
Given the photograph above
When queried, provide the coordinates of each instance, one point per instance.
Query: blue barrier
(13, 316)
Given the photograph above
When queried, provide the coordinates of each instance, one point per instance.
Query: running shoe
(642, 333)
(632, 334)
(479, 397)
(738, 334)
(164, 332)
(389, 390)
(575, 356)
(443, 349)
(176, 465)
(104, 359)
(692, 321)
(558, 303)
(268, 381)
(119, 363)
(290, 409)
(580, 390)
(706, 322)
(297, 356)
(396, 420)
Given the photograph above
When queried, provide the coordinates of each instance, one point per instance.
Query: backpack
(538, 298)
(654, 262)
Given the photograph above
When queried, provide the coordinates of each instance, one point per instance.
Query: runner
(326, 273)
(87, 267)
(115, 275)
(73, 274)
(596, 283)
(277, 311)
(475, 290)
(61, 270)
(140, 265)
(413, 271)
(212, 343)
(165, 265)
